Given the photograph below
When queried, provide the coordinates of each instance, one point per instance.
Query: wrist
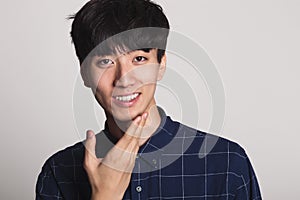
(104, 195)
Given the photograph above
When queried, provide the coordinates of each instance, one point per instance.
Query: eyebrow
(146, 50)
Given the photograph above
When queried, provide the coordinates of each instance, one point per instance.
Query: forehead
(126, 43)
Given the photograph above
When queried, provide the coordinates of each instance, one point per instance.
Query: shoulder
(58, 172)
(208, 142)
(216, 150)
(60, 166)
(69, 156)
(224, 156)
(203, 144)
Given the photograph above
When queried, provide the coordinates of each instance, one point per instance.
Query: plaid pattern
(168, 166)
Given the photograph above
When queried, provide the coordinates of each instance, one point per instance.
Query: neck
(117, 128)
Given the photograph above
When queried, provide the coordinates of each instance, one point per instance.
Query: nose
(124, 76)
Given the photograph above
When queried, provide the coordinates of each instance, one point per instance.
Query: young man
(121, 48)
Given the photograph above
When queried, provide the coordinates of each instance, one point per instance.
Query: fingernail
(145, 115)
(138, 119)
(89, 134)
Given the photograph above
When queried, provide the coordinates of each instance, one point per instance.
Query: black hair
(99, 20)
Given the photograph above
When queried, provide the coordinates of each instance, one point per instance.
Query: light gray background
(254, 44)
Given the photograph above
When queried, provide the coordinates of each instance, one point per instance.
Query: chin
(124, 115)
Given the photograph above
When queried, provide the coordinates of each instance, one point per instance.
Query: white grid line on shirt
(210, 153)
(245, 187)
(74, 168)
(205, 165)
(182, 165)
(182, 175)
(188, 175)
(227, 177)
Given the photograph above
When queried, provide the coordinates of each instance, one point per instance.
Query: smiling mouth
(127, 98)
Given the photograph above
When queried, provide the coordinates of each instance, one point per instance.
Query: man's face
(124, 84)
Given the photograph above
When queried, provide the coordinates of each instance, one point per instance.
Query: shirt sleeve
(46, 186)
(249, 188)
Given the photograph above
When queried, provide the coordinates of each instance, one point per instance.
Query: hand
(109, 177)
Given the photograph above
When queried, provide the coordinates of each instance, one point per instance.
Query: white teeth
(127, 98)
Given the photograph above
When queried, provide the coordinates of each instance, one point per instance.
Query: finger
(139, 130)
(144, 118)
(90, 143)
(129, 140)
(90, 149)
(133, 126)
(121, 157)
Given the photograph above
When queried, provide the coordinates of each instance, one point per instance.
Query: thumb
(90, 152)
(90, 142)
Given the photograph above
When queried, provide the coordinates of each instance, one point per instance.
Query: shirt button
(138, 188)
(154, 161)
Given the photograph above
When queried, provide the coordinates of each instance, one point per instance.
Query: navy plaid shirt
(170, 165)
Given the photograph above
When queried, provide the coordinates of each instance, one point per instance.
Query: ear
(162, 67)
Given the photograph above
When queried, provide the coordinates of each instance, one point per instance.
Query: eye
(140, 59)
(105, 62)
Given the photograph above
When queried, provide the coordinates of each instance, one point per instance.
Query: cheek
(98, 75)
(103, 95)
(102, 79)
(104, 88)
(149, 90)
(147, 74)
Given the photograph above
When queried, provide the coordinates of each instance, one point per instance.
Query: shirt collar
(161, 137)
(165, 132)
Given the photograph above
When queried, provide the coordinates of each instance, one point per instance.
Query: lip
(126, 104)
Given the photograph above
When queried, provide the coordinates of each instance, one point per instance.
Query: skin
(109, 177)
(115, 75)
